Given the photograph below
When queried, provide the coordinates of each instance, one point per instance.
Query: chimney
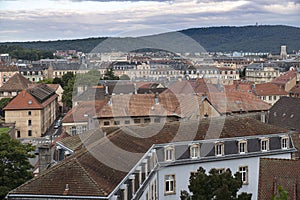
(66, 190)
(44, 157)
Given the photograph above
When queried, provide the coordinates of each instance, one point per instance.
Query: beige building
(33, 111)
(259, 73)
(6, 72)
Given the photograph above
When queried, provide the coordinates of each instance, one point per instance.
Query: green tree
(69, 92)
(46, 80)
(3, 103)
(124, 77)
(15, 168)
(65, 79)
(57, 80)
(215, 185)
(91, 78)
(282, 194)
(110, 75)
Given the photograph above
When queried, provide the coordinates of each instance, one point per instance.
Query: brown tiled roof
(286, 113)
(16, 83)
(268, 89)
(285, 78)
(33, 98)
(88, 175)
(236, 101)
(275, 172)
(296, 89)
(79, 112)
(9, 68)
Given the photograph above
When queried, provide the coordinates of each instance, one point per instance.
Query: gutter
(31, 196)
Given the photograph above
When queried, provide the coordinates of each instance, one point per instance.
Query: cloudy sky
(32, 20)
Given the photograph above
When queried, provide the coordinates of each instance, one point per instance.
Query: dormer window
(242, 144)
(169, 153)
(195, 151)
(264, 144)
(219, 149)
(285, 142)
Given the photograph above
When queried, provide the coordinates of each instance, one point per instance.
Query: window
(29, 133)
(169, 153)
(29, 123)
(106, 123)
(127, 122)
(116, 122)
(29, 113)
(242, 146)
(147, 120)
(284, 142)
(18, 134)
(270, 98)
(169, 184)
(219, 149)
(137, 121)
(195, 151)
(264, 143)
(244, 172)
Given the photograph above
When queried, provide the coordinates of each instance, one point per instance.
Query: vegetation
(110, 75)
(215, 185)
(14, 164)
(3, 103)
(282, 194)
(124, 77)
(213, 39)
(22, 53)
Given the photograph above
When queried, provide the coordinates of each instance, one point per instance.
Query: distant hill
(213, 39)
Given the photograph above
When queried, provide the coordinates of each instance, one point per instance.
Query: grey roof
(286, 113)
(41, 92)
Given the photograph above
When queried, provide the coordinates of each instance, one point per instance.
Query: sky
(43, 20)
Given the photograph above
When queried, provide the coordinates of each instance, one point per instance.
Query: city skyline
(33, 20)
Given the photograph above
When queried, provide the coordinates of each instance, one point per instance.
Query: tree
(65, 79)
(57, 80)
(91, 78)
(46, 80)
(215, 185)
(110, 75)
(14, 164)
(3, 103)
(124, 77)
(282, 194)
(69, 92)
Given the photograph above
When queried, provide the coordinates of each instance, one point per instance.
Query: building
(6, 72)
(33, 111)
(14, 86)
(278, 172)
(283, 53)
(285, 113)
(269, 92)
(32, 73)
(295, 91)
(261, 73)
(154, 162)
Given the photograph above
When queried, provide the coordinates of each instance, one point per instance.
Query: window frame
(245, 148)
(171, 184)
(29, 122)
(244, 174)
(29, 133)
(217, 153)
(287, 142)
(168, 157)
(267, 145)
(194, 151)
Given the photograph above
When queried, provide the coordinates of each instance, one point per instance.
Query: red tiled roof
(23, 101)
(296, 89)
(275, 172)
(268, 89)
(27, 99)
(88, 174)
(286, 77)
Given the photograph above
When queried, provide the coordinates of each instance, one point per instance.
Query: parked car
(57, 124)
